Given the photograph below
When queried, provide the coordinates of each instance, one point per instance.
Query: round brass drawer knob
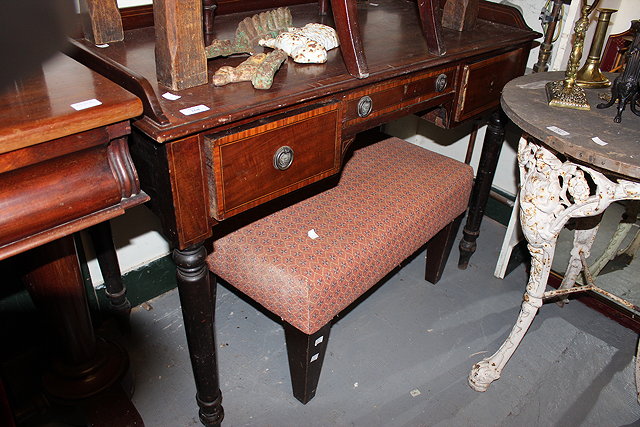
(365, 106)
(283, 158)
(441, 82)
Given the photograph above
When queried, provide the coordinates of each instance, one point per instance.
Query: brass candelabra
(566, 93)
(590, 75)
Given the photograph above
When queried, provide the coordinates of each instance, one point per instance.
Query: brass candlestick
(590, 75)
(566, 93)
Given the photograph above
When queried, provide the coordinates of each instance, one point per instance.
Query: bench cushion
(391, 199)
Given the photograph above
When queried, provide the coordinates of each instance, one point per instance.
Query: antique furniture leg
(438, 250)
(306, 354)
(198, 299)
(108, 260)
(345, 15)
(431, 26)
(88, 366)
(551, 193)
(582, 242)
(491, 146)
(638, 372)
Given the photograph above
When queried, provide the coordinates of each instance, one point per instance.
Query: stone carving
(306, 45)
(552, 192)
(250, 31)
(259, 69)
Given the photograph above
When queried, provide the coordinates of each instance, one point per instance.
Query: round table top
(587, 137)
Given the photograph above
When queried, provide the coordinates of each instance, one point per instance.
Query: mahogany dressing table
(64, 167)
(206, 153)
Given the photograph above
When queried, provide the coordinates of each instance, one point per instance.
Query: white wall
(135, 234)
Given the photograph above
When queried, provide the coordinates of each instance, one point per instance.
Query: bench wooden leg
(306, 354)
(438, 250)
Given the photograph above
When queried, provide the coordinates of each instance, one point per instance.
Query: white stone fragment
(306, 45)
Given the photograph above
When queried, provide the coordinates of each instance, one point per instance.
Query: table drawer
(482, 82)
(382, 102)
(271, 159)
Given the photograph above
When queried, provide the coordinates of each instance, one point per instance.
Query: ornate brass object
(566, 93)
(590, 75)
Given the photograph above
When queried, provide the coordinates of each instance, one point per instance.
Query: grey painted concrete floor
(401, 358)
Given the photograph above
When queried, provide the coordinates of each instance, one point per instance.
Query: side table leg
(88, 365)
(582, 241)
(539, 194)
(482, 186)
(198, 300)
(638, 372)
(552, 192)
(102, 239)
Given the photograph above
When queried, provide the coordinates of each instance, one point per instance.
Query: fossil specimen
(307, 45)
(258, 69)
(250, 31)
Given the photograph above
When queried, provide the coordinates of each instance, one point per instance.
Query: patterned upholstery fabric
(392, 198)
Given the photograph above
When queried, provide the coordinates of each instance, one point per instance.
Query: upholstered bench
(309, 261)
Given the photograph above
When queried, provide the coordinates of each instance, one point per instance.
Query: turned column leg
(345, 16)
(491, 146)
(198, 299)
(116, 292)
(87, 365)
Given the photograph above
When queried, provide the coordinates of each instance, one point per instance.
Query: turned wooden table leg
(345, 16)
(116, 292)
(198, 300)
(482, 186)
(88, 365)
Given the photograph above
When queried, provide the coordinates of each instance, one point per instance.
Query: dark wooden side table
(205, 154)
(575, 164)
(64, 167)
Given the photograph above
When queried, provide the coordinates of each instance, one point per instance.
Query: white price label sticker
(557, 130)
(194, 110)
(83, 105)
(598, 141)
(170, 96)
